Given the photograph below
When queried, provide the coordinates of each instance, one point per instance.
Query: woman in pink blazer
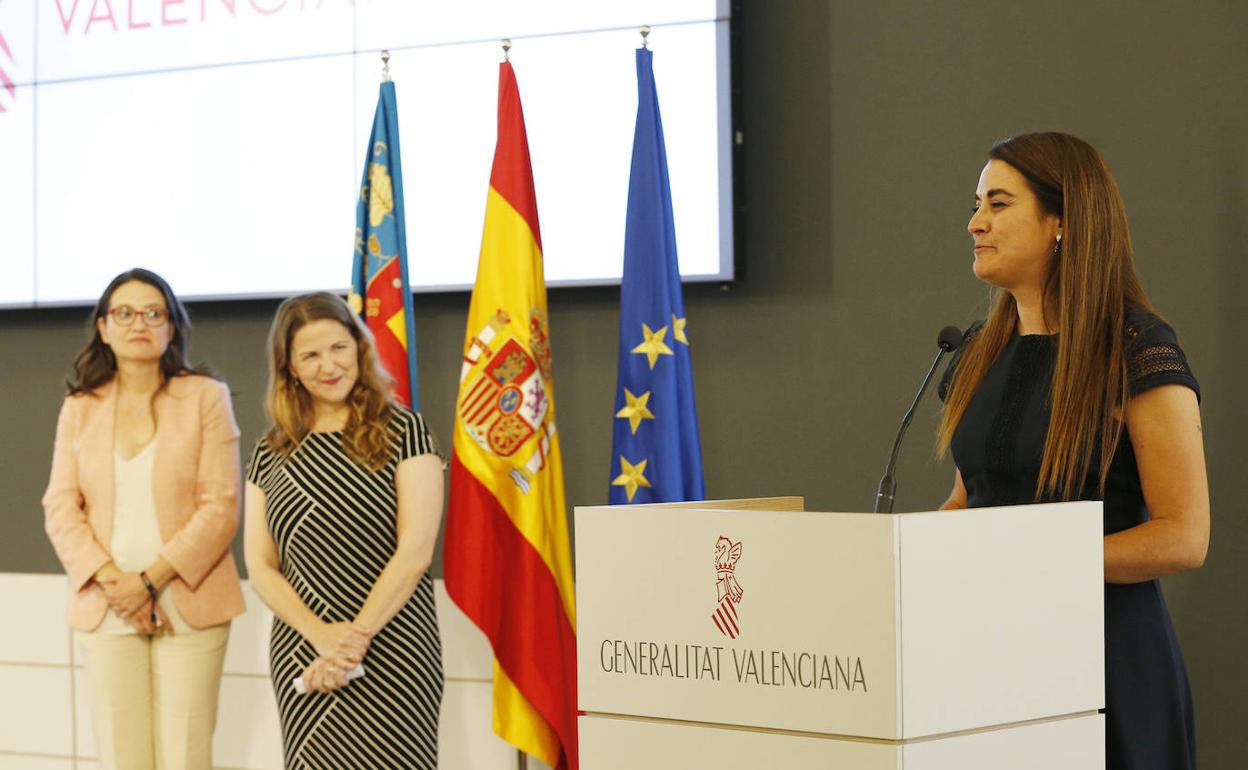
(141, 507)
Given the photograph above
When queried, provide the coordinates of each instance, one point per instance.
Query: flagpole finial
(506, 49)
(645, 36)
(385, 66)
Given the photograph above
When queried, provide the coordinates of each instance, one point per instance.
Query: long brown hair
(289, 406)
(1090, 284)
(96, 365)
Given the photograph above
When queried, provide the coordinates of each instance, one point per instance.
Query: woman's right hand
(343, 644)
(323, 676)
(125, 591)
(149, 620)
(141, 621)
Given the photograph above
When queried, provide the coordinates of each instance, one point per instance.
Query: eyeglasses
(124, 315)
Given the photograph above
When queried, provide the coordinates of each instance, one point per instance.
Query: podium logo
(6, 82)
(729, 591)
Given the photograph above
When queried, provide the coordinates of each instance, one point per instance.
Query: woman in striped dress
(343, 504)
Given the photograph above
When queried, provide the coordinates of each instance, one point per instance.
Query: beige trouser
(154, 699)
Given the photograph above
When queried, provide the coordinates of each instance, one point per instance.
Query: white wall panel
(39, 600)
(248, 734)
(82, 711)
(466, 739)
(36, 710)
(29, 762)
(466, 653)
(248, 652)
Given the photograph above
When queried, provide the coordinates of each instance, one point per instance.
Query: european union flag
(656, 453)
(380, 291)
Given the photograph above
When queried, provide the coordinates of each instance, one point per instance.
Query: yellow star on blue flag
(631, 478)
(652, 345)
(660, 427)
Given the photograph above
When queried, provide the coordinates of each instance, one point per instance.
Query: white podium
(751, 634)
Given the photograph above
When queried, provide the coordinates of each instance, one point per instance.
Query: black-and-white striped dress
(334, 525)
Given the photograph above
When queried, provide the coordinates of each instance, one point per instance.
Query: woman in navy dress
(1075, 389)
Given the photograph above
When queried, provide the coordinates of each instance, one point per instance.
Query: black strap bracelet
(151, 592)
(151, 587)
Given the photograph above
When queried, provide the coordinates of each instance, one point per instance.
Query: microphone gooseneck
(949, 339)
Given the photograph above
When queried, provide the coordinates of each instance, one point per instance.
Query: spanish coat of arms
(503, 400)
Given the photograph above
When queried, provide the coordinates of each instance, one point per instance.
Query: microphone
(949, 340)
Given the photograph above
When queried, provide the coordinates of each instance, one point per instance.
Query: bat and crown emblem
(727, 588)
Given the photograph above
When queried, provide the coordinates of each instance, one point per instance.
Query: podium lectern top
(878, 626)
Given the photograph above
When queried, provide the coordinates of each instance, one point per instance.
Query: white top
(136, 538)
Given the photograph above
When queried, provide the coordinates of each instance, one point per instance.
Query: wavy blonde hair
(1091, 283)
(365, 438)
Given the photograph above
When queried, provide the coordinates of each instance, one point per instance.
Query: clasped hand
(323, 676)
(151, 620)
(340, 647)
(342, 644)
(124, 590)
(128, 597)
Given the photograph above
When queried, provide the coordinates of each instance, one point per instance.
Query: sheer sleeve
(1154, 357)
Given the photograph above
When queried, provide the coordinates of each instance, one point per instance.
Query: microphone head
(949, 338)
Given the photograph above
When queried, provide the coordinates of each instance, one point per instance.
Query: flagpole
(385, 66)
(645, 36)
(522, 759)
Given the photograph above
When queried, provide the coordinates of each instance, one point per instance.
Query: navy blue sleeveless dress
(998, 446)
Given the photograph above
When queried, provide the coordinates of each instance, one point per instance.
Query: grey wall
(866, 125)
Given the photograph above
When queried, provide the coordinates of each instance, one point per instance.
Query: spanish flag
(507, 562)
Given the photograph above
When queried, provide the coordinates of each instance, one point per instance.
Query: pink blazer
(196, 480)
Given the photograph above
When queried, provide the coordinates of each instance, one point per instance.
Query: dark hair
(96, 365)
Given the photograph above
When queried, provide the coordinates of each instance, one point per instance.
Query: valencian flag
(380, 290)
(507, 562)
(656, 455)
